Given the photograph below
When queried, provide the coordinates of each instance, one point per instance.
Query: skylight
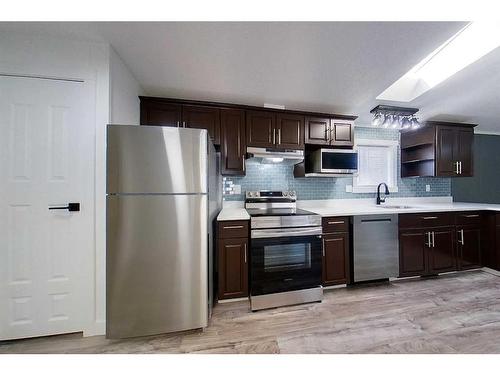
(471, 43)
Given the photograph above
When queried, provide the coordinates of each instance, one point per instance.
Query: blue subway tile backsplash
(280, 177)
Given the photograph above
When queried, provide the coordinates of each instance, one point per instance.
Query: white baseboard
(96, 329)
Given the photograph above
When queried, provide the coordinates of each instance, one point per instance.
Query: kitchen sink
(395, 207)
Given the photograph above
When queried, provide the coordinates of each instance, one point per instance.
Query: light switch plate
(348, 188)
(427, 188)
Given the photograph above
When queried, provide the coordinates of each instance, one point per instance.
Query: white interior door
(47, 159)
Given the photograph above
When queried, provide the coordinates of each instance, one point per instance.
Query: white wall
(43, 56)
(124, 92)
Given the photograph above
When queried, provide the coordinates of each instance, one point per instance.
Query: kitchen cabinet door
(341, 133)
(335, 259)
(261, 129)
(465, 138)
(469, 247)
(201, 117)
(412, 253)
(233, 147)
(159, 113)
(317, 131)
(441, 255)
(233, 268)
(446, 151)
(290, 130)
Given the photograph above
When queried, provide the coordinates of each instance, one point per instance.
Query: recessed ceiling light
(471, 43)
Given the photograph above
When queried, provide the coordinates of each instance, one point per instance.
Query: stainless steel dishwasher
(376, 247)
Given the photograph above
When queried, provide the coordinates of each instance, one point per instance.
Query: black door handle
(69, 207)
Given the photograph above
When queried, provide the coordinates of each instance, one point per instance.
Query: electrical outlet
(427, 188)
(236, 189)
(348, 188)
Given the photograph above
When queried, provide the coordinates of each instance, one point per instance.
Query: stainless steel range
(286, 250)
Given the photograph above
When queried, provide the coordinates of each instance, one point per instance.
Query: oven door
(285, 262)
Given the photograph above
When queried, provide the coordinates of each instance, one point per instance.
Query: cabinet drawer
(425, 220)
(468, 218)
(232, 229)
(335, 224)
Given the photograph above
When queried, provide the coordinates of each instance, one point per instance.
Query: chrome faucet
(382, 200)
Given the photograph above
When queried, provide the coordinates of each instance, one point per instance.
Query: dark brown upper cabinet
(329, 132)
(279, 130)
(202, 117)
(454, 151)
(188, 116)
(317, 131)
(160, 113)
(439, 149)
(290, 128)
(261, 129)
(233, 126)
(233, 147)
(341, 133)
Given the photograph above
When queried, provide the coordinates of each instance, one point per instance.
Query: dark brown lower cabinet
(412, 253)
(453, 244)
(233, 268)
(441, 253)
(335, 258)
(336, 248)
(426, 251)
(469, 247)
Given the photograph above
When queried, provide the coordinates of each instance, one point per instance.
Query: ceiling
(338, 67)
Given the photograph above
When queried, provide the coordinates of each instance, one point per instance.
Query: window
(377, 162)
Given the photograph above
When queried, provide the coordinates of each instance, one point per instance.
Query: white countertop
(352, 207)
(374, 209)
(231, 213)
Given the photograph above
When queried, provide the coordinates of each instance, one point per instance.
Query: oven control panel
(271, 194)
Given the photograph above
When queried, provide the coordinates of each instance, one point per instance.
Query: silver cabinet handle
(323, 247)
(461, 239)
(460, 169)
(456, 166)
(429, 217)
(234, 227)
(274, 136)
(183, 124)
(245, 252)
(336, 222)
(178, 124)
(428, 243)
(433, 242)
(279, 136)
(471, 216)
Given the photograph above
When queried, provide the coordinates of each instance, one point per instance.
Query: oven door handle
(286, 232)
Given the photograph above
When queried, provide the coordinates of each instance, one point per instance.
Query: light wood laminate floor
(454, 313)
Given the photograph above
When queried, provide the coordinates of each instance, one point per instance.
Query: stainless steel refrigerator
(163, 195)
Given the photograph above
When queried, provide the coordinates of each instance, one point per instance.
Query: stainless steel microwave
(327, 162)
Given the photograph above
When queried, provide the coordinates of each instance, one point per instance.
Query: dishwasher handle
(386, 220)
